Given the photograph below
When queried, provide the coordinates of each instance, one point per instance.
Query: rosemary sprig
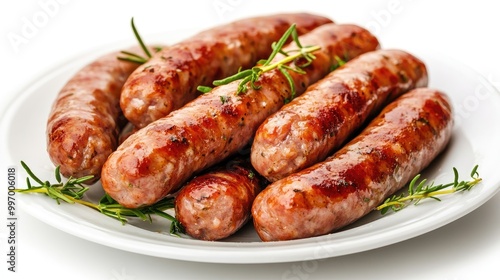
(132, 57)
(420, 191)
(339, 62)
(250, 76)
(72, 192)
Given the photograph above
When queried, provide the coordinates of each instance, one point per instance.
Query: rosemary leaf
(251, 76)
(422, 191)
(72, 191)
(139, 39)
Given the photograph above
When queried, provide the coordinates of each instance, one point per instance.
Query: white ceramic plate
(477, 108)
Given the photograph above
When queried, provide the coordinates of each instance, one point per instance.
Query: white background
(466, 31)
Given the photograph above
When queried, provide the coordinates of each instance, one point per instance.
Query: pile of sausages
(352, 136)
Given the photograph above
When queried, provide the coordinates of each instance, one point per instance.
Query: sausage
(83, 124)
(169, 80)
(160, 157)
(407, 135)
(217, 203)
(312, 126)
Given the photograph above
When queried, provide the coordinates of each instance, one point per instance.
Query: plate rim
(228, 254)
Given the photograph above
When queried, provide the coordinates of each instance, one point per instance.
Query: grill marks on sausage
(384, 159)
(328, 116)
(83, 124)
(213, 54)
(216, 204)
(214, 129)
(314, 125)
(398, 144)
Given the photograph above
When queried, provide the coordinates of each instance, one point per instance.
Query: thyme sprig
(133, 57)
(250, 76)
(72, 192)
(420, 191)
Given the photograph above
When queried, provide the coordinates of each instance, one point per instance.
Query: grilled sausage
(83, 124)
(169, 80)
(160, 157)
(407, 135)
(312, 126)
(216, 204)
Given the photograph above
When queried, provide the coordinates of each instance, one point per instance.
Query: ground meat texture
(314, 125)
(159, 158)
(407, 135)
(217, 203)
(83, 124)
(169, 80)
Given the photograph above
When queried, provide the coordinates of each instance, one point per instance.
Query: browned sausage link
(217, 203)
(169, 79)
(312, 126)
(82, 127)
(159, 158)
(407, 135)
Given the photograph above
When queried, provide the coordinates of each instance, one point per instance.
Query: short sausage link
(217, 203)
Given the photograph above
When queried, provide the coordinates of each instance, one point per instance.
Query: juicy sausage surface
(217, 203)
(312, 126)
(157, 159)
(82, 127)
(407, 135)
(169, 80)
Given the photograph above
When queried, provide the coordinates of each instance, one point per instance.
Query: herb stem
(139, 39)
(289, 58)
(250, 76)
(419, 192)
(72, 192)
(133, 57)
(65, 197)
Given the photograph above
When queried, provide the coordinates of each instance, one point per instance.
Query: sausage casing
(160, 157)
(170, 78)
(312, 126)
(83, 124)
(217, 203)
(407, 135)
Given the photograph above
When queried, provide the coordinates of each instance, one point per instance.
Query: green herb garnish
(420, 191)
(73, 190)
(224, 99)
(339, 63)
(250, 76)
(135, 58)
